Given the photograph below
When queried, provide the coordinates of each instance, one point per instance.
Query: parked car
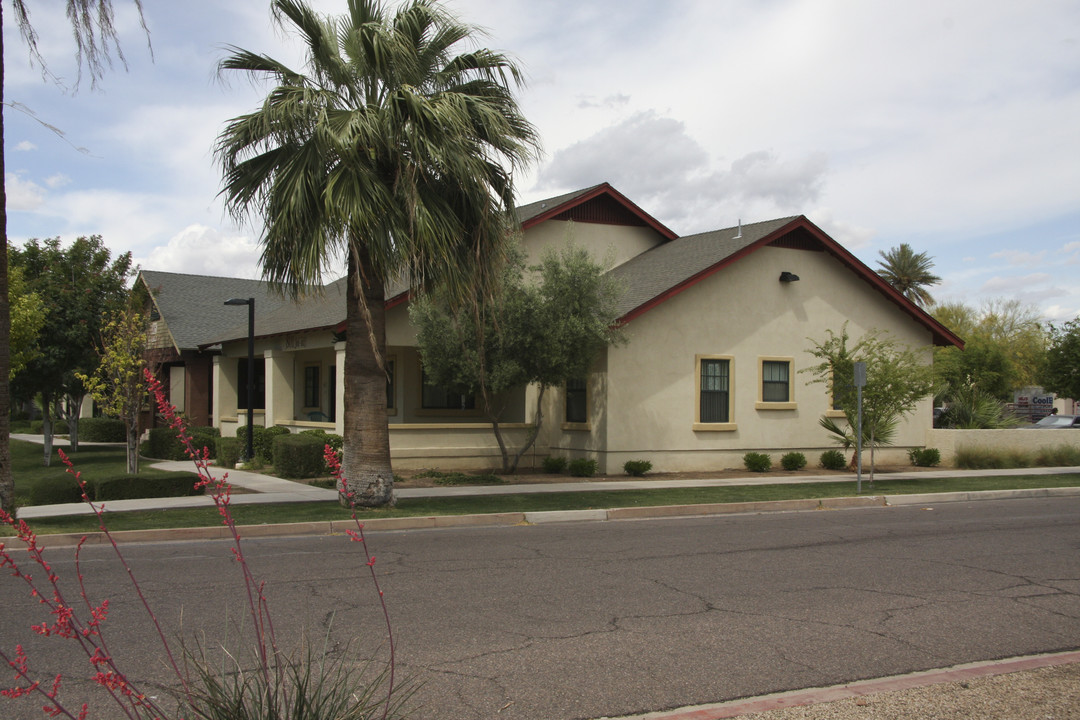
(1058, 421)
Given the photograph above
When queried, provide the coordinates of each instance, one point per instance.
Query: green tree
(118, 384)
(897, 377)
(1061, 373)
(95, 42)
(908, 272)
(81, 284)
(27, 319)
(546, 332)
(395, 148)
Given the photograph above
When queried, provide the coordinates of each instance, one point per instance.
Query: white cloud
(25, 146)
(58, 180)
(1019, 257)
(22, 194)
(202, 250)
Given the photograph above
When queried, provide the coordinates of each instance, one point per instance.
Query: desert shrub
(582, 467)
(298, 456)
(554, 464)
(969, 458)
(833, 460)
(757, 462)
(1059, 456)
(460, 478)
(102, 429)
(924, 457)
(793, 461)
(637, 468)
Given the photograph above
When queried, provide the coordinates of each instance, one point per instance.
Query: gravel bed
(1050, 693)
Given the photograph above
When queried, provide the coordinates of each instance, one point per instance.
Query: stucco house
(718, 325)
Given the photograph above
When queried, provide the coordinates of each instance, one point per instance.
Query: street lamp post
(250, 302)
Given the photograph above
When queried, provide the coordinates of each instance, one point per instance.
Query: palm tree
(392, 148)
(908, 272)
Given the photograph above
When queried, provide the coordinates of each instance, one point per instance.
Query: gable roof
(599, 203)
(322, 310)
(193, 306)
(666, 270)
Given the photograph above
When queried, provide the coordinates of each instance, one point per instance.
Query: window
(389, 384)
(715, 390)
(774, 381)
(435, 397)
(774, 388)
(260, 384)
(311, 386)
(577, 408)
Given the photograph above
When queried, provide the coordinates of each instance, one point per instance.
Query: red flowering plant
(279, 686)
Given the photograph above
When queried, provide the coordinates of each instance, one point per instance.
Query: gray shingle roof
(193, 306)
(318, 310)
(664, 267)
(528, 212)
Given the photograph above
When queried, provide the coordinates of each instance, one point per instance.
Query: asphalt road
(585, 620)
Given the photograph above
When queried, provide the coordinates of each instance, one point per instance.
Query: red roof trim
(941, 334)
(602, 189)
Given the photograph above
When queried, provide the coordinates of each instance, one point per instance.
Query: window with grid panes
(775, 381)
(715, 391)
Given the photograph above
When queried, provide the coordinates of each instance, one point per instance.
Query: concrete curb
(431, 522)
(813, 696)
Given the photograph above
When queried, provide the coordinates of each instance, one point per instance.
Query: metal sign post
(860, 383)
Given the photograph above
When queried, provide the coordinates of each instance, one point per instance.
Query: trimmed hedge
(637, 468)
(298, 456)
(163, 444)
(924, 457)
(793, 461)
(833, 460)
(102, 429)
(59, 427)
(262, 441)
(757, 462)
(228, 452)
(64, 489)
(554, 464)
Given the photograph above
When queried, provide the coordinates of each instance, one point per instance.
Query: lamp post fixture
(250, 302)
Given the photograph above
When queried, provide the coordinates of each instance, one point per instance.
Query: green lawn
(93, 461)
(530, 502)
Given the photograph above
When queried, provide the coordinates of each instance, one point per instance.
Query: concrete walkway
(269, 489)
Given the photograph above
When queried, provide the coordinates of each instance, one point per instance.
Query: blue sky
(953, 126)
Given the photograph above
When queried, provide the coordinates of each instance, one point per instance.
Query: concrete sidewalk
(269, 489)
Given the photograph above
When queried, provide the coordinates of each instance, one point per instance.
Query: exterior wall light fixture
(786, 276)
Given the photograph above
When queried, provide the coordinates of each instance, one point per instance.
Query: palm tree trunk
(7, 481)
(366, 460)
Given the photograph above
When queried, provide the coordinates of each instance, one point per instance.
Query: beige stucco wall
(610, 244)
(1019, 439)
(745, 313)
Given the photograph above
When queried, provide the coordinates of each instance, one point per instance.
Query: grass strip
(537, 502)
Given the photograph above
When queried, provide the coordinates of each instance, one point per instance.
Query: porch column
(339, 388)
(225, 394)
(279, 387)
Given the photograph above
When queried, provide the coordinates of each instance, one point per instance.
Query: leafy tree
(95, 41)
(395, 148)
(118, 384)
(81, 284)
(544, 333)
(908, 272)
(897, 377)
(27, 319)
(1062, 369)
(1004, 348)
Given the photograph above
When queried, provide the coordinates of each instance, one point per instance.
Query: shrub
(335, 441)
(262, 441)
(1060, 456)
(163, 444)
(59, 427)
(55, 490)
(554, 464)
(991, 459)
(924, 457)
(460, 478)
(298, 456)
(102, 429)
(757, 462)
(637, 468)
(228, 451)
(793, 461)
(582, 467)
(203, 437)
(134, 486)
(833, 460)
